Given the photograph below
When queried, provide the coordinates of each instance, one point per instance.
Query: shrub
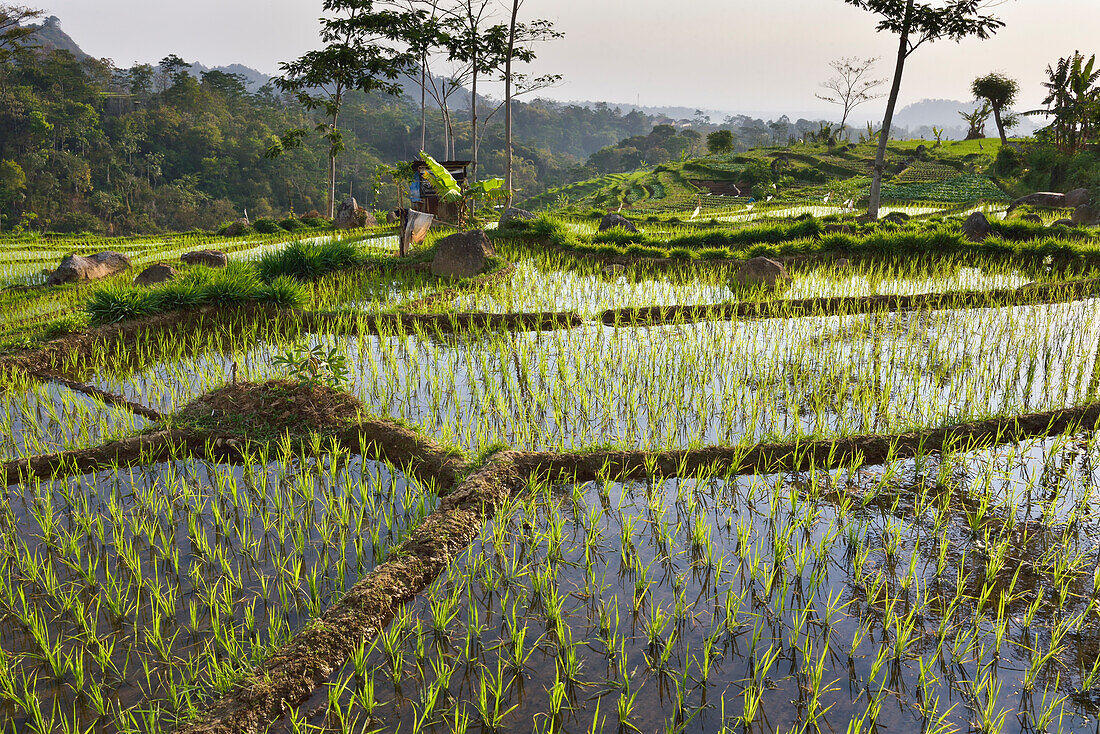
(291, 224)
(317, 222)
(305, 261)
(266, 226)
(75, 222)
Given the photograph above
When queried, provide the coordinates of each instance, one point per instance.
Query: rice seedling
(158, 587)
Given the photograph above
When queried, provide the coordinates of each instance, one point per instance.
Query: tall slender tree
(915, 24)
(520, 36)
(852, 85)
(361, 52)
(1000, 91)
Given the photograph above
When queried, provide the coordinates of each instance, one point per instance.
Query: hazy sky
(734, 55)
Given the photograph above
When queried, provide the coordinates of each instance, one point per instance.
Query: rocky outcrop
(613, 220)
(762, 271)
(156, 274)
(237, 228)
(77, 268)
(462, 255)
(1085, 215)
(513, 214)
(976, 227)
(352, 216)
(1077, 197)
(1049, 199)
(209, 258)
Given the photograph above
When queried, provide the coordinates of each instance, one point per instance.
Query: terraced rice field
(403, 503)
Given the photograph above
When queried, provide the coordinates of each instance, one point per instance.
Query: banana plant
(451, 192)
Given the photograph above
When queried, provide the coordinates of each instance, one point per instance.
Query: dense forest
(87, 146)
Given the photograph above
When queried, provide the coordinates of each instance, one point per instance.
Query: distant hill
(50, 37)
(253, 79)
(922, 116)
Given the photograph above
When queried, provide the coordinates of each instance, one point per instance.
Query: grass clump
(237, 284)
(309, 260)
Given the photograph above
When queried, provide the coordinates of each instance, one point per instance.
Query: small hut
(424, 196)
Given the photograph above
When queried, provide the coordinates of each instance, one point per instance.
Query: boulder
(351, 216)
(1043, 198)
(762, 271)
(154, 274)
(209, 258)
(1063, 223)
(512, 214)
(612, 220)
(462, 255)
(1077, 197)
(838, 229)
(896, 217)
(1084, 215)
(1033, 218)
(613, 270)
(976, 227)
(237, 228)
(76, 268)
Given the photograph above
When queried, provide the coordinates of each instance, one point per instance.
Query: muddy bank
(95, 392)
(823, 454)
(444, 323)
(292, 673)
(849, 305)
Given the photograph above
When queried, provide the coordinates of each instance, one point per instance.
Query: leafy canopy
(924, 22)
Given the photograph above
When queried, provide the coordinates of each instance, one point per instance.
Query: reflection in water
(915, 597)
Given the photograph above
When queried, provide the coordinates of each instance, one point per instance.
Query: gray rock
(1084, 215)
(209, 258)
(762, 271)
(1033, 218)
(154, 274)
(976, 227)
(512, 214)
(1063, 223)
(76, 268)
(843, 264)
(462, 255)
(612, 220)
(896, 217)
(237, 228)
(1043, 198)
(1077, 197)
(351, 216)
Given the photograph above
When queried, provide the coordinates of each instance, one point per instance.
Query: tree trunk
(473, 123)
(508, 103)
(884, 136)
(332, 170)
(423, 102)
(1000, 125)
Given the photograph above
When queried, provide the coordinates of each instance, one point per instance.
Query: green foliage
(237, 284)
(720, 141)
(309, 260)
(314, 366)
(266, 226)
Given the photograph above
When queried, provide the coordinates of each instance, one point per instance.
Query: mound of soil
(264, 411)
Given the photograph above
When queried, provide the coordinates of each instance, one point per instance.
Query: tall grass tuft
(306, 261)
(235, 285)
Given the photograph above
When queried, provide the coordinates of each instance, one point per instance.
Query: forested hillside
(87, 146)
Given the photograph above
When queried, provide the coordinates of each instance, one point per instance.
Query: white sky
(762, 56)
